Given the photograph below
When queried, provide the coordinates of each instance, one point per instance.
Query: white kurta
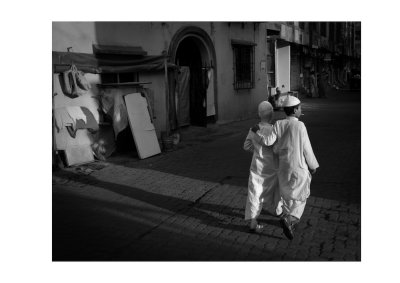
(295, 157)
(263, 187)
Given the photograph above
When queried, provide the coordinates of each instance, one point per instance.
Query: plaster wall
(155, 37)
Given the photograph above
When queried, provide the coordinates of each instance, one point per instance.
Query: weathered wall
(295, 70)
(156, 37)
(239, 104)
(81, 36)
(78, 35)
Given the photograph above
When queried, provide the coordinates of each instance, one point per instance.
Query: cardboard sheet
(76, 155)
(143, 130)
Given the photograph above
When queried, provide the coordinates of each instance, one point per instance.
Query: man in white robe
(296, 160)
(263, 190)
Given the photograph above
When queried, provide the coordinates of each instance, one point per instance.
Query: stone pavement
(188, 204)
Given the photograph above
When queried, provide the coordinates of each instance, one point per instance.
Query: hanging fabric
(89, 63)
(182, 97)
(73, 82)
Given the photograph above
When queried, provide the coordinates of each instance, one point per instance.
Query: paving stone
(350, 257)
(173, 206)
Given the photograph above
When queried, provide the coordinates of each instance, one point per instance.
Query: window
(323, 28)
(118, 53)
(301, 25)
(243, 63)
(107, 78)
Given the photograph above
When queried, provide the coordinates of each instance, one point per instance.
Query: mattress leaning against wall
(142, 126)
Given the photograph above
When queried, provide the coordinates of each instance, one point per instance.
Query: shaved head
(265, 109)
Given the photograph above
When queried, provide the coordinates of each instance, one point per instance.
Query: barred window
(243, 65)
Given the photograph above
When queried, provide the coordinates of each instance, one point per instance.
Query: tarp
(182, 94)
(89, 63)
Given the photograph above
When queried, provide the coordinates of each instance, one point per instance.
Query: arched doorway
(192, 50)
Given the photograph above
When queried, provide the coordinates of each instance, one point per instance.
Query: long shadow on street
(82, 224)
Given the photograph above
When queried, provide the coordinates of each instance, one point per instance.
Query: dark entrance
(188, 54)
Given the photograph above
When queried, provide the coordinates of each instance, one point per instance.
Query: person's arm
(266, 140)
(308, 152)
(248, 143)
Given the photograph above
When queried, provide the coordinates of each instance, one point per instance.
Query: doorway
(189, 55)
(193, 51)
(282, 63)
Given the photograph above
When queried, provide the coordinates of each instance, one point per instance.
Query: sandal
(257, 229)
(288, 228)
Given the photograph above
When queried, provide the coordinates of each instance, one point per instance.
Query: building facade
(195, 73)
(233, 95)
(224, 64)
(318, 51)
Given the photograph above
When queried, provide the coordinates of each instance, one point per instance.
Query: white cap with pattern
(290, 101)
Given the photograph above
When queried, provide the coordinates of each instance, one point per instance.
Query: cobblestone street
(188, 204)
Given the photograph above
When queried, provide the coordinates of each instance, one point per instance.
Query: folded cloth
(81, 80)
(113, 105)
(62, 118)
(91, 123)
(76, 113)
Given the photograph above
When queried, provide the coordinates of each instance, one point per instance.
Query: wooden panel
(143, 130)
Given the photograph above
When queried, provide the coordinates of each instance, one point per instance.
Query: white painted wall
(282, 64)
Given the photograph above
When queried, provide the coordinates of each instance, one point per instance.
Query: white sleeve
(248, 143)
(269, 139)
(308, 151)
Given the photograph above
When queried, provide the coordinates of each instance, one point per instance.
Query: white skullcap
(265, 108)
(290, 101)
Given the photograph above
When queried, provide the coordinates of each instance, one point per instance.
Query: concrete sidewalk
(188, 204)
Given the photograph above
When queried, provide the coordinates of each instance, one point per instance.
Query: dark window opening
(272, 32)
(323, 28)
(128, 77)
(338, 31)
(301, 25)
(243, 62)
(358, 35)
(109, 78)
(331, 31)
(113, 78)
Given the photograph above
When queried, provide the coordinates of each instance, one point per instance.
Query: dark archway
(188, 54)
(192, 47)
